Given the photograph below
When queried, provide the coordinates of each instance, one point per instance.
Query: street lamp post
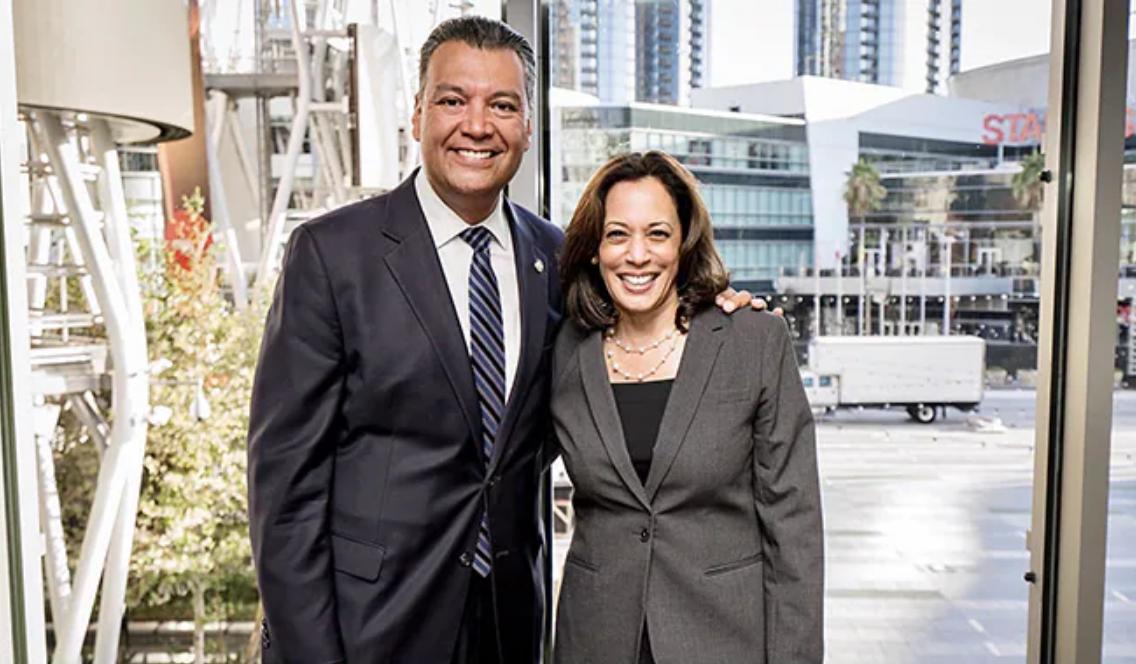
(863, 281)
(816, 294)
(924, 258)
(881, 270)
(839, 292)
(903, 281)
(948, 241)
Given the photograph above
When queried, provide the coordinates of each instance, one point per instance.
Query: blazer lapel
(601, 403)
(418, 271)
(698, 357)
(532, 292)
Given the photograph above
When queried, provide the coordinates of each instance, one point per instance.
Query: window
(932, 583)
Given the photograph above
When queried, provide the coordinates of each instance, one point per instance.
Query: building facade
(949, 248)
(910, 44)
(954, 245)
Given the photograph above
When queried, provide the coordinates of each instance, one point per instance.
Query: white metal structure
(85, 349)
(313, 67)
(220, 112)
(325, 121)
(21, 594)
(79, 232)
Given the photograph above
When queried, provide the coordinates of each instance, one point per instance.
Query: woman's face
(639, 248)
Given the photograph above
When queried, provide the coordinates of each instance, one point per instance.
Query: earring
(595, 260)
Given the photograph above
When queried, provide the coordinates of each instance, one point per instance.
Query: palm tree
(1027, 185)
(863, 193)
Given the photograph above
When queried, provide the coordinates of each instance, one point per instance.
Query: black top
(641, 408)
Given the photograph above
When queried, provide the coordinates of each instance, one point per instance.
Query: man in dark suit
(402, 393)
(392, 478)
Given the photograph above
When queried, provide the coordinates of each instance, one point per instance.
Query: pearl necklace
(640, 377)
(627, 348)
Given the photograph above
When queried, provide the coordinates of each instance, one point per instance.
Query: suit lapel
(532, 292)
(698, 357)
(415, 266)
(601, 403)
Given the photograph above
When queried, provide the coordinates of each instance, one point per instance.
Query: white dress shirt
(456, 257)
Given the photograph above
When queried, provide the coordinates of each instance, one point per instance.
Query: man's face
(472, 121)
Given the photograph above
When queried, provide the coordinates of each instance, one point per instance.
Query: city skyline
(765, 29)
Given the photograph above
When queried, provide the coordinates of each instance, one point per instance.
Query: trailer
(921, 374)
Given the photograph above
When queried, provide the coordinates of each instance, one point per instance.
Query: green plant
(191, 539)
(862, 190)
(1026, 184)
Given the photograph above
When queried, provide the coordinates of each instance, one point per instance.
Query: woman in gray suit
(688, 439)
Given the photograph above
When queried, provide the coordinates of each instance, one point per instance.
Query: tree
(192, 536)
(863, 193)
(1027, 185)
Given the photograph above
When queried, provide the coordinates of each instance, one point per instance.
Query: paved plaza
(926, 528)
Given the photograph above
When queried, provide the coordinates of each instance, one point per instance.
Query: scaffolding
(312, 63)
(88, 338)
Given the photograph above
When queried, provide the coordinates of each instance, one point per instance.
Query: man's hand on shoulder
(731, 300)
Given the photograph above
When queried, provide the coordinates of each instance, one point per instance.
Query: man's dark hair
(483, 33)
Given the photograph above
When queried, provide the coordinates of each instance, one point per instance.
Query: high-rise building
(910, 44)
(593, 47)
(623, 51)
(671, 49)
(564, 35)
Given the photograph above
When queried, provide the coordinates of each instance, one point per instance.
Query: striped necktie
(487, 350)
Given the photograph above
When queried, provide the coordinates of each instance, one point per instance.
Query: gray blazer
(721, 553)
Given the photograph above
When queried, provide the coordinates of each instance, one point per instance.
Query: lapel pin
(539, 266)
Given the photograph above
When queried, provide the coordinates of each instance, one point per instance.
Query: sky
(762, 30)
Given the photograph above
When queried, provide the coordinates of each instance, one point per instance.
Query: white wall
(380, 112)
(1024, 81)
(13, 198)
(785, 97)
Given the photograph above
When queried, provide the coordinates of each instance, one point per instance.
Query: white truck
(921, 374)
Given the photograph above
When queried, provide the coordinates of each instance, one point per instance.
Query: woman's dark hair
(701, 275)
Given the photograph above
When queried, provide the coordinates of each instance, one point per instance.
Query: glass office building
(753, 170)
(620, 51)
(912, 44)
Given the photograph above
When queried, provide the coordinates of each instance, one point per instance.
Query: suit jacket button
(645, 535)
(466, 560)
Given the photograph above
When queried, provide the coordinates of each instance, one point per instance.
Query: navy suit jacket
(365, 481)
